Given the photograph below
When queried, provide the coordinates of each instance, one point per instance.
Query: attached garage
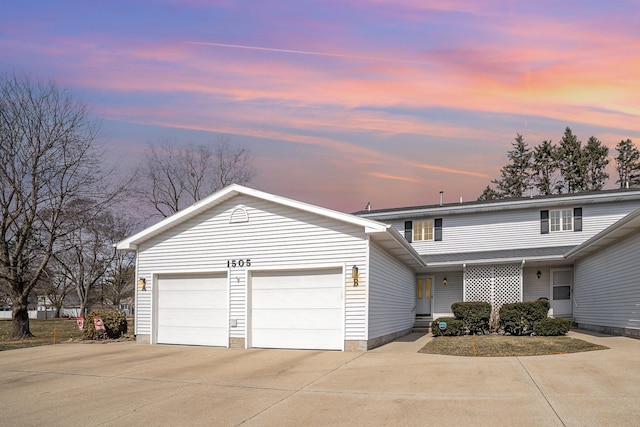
(193, 309)
(247, 269)
(300, 309)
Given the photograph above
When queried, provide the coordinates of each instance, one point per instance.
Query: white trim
(130, 243)
(367, 289)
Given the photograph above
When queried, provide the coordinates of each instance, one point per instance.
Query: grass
(501, 346)
(43, 330)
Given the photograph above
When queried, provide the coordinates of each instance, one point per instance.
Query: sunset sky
(342, 102)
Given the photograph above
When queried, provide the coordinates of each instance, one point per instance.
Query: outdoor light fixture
(444, 282)
(142, 284)
(354, 275)
(539, 274)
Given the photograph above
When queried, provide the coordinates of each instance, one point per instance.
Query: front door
(561, 292)
(424, 296)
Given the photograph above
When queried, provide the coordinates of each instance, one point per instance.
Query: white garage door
(297, 309)
(193, 309)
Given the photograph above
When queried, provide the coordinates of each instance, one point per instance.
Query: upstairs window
(423, 230)
(561, 220)
(428, 229)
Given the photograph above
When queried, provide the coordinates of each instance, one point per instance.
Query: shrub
(518, 318)
(454, 327)
(474, 314)
(115, 325)
(552, 326)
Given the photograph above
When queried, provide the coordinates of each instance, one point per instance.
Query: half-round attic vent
(238, 215)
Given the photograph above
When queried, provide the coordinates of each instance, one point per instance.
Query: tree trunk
(21, 319)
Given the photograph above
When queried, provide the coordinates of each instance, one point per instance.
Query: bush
(115, 325)
(552, 326)
(475, 315)
(518, 318)
(454, 327)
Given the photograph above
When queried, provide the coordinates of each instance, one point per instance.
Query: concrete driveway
(129, 384)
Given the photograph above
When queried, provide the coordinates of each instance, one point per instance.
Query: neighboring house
(504, 250)
(245, 268)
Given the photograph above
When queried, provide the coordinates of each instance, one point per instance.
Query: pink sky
(343, 103)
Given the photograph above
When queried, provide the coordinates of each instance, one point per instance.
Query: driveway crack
(303, 388)
(541, 392)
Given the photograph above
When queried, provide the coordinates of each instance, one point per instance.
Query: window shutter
(544, 222)
(577, 219)
(408, 230)
(437, 232)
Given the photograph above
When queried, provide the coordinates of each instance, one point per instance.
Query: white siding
(443, 295)
(607, 286)
(392, 297)
(518, 229)
(534, 288)
(276, 236)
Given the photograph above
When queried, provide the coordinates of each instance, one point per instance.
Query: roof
(544, 254)
(383, 234)
(623, 228)
(556, 200)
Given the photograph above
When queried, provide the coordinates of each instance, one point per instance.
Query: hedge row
(520, 318)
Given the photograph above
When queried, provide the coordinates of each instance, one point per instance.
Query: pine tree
(572, 163)
(515, 177)
(628, 164)
(545, 168)
(595, 154)
(489, 194)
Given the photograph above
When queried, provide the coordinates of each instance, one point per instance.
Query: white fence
(33, 314)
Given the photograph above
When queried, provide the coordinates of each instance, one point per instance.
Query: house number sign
(239, 263)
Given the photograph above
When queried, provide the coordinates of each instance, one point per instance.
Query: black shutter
(577, 219)
(437, 234)
(408, 230)
(544, 222)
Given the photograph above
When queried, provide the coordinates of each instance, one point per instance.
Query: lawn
(43, 330)
(501, 345)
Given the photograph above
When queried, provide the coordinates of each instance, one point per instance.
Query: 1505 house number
(238, 263)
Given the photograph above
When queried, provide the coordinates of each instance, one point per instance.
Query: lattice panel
(477, 283)
(495, 284)
(508, 284)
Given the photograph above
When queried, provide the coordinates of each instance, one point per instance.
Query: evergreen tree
(489, 194)
(595, 155)
(628, 164)
(515, 177)
(572, 164)
(545, 168)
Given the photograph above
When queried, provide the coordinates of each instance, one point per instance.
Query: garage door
(297, 309)
(193, 309)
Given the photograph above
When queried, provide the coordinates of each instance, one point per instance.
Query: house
(607, 270)
(245, 268)
(503, 251)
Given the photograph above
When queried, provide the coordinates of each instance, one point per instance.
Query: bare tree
(48, 159)
(119, 281)
(86, 253)
(175, 177)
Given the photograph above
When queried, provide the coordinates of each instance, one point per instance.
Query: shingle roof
(556, 252)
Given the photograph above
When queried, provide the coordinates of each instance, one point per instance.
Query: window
(423, 230)
(561, 220)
